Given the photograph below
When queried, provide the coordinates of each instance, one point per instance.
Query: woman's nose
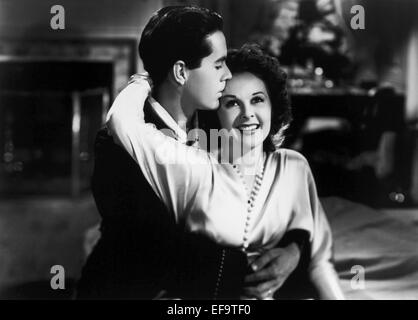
(246, 116)
(247, 113)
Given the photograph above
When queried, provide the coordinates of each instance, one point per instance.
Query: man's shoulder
(103, 134)
(104, 140)
(108, 152)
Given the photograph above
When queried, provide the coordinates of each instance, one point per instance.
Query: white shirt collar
(181, 135)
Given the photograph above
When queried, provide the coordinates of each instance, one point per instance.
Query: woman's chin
(250, 144)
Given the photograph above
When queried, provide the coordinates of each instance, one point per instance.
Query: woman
(246, 193)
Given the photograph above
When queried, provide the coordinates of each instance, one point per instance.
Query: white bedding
(384, 242)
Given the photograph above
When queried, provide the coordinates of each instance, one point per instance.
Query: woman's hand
(271, 269)
(130, 101)
(140, 77)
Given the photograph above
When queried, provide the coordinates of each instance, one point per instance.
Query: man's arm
(142, 249)
(146, 145)
(169, 166)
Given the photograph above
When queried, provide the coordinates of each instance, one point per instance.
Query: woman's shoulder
(292, 165)
(289, 158)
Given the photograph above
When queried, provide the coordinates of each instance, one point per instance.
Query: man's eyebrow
(229, 96)
(221, 59)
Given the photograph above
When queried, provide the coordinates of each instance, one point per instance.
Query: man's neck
(170, 100)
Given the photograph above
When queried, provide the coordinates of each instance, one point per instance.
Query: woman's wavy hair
(251, 58)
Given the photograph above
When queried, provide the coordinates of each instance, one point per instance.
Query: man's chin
(213, 107)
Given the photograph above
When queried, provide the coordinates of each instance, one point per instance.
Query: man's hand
(271, 269)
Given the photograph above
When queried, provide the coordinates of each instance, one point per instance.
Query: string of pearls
(251, 200)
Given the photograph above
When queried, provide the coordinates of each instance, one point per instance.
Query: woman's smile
(248, 128)
(246, 107)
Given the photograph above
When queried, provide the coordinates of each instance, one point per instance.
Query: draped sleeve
(322, 272)
(308, 214)
(321, 269)
(175, 171)
(300, 192)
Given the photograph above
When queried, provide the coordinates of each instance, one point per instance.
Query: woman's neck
(250, 161)
(251, 167)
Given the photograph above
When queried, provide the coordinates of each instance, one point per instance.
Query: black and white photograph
(206, 150)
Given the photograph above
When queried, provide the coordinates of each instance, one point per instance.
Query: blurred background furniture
(47, 140)
(361, 151)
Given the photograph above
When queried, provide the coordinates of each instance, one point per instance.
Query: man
(142, 251)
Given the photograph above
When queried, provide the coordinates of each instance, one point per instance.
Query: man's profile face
(205, 84)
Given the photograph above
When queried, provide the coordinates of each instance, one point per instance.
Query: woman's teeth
(248, 127)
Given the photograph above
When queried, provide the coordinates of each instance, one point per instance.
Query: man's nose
(227, 75)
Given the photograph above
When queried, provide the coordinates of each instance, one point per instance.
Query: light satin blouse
(210, 198)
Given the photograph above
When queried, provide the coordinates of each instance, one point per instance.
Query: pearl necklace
(252, 197)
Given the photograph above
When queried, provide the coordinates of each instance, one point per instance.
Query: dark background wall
(37, 232)
(90, 18)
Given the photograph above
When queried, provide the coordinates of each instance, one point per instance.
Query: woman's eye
(218, 67)
(257, 100)
(231, 103)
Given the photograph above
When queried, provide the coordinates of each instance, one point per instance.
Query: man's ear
(180, 72)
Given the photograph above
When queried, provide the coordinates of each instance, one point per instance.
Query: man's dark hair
(177, 33)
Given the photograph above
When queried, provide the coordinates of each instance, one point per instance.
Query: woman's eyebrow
(229, 96)
(255, 93)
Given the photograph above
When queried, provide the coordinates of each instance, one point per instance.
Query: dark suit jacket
(142, 250)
